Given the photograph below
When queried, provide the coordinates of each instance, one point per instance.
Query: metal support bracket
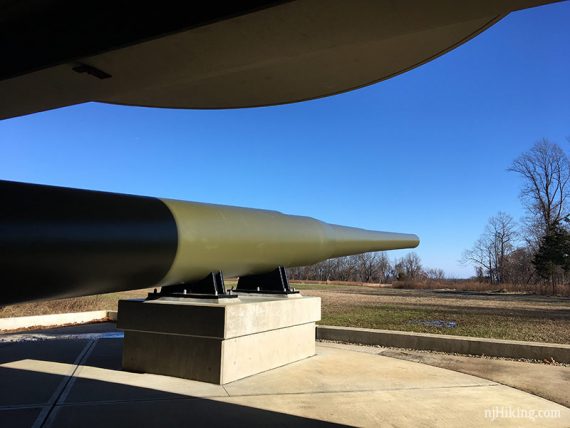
(210, 287)
(274, 282)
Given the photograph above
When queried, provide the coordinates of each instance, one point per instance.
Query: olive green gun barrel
(58, 242)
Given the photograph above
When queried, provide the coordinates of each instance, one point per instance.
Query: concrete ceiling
(264, 53)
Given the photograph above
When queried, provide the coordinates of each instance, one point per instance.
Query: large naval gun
(60, 242)
(57, 242)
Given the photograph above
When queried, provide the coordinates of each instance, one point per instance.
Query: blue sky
(425, 152)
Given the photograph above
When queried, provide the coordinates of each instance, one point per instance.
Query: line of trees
(536, 251)
(368, 267)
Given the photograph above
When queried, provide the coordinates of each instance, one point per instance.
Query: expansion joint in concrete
(49, 412)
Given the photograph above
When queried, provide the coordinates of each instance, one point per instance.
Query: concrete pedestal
(217, 342)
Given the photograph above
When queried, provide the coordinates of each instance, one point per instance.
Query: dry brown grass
(75, 304)
(559, 290)
(363, 284)
(479, 314)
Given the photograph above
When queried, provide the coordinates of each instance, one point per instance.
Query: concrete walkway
(70, 379)
(547, 381)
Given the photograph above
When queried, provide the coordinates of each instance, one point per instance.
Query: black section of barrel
(58, 242)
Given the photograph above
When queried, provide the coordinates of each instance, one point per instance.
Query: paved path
(65, 378)
(547, 381)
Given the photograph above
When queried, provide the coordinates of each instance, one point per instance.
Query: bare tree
(383, 268)
(435, 274)
(479, 256)
(366, 266)
(545, 169)
(501, 235)
(519, 267)
(491, 252)
(409, 267)
(369, 267)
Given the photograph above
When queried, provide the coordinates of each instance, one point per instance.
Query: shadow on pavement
(37, 387)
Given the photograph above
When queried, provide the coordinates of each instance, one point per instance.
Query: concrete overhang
(262, 53)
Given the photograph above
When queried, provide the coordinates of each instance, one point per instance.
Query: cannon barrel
(58, 242)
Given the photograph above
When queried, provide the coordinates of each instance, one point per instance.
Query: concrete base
(217, 342)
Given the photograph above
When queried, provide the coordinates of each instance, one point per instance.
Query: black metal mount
(274, 282)
(210, 287)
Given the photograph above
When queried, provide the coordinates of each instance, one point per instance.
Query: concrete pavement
(76, 380)
(547, 381)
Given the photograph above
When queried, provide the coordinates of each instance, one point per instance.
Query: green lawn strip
(495, 326)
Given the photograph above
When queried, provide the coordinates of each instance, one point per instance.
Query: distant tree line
(368, 267)
(536, 250)
(533, 251)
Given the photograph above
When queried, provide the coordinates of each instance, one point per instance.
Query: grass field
(482, 314)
